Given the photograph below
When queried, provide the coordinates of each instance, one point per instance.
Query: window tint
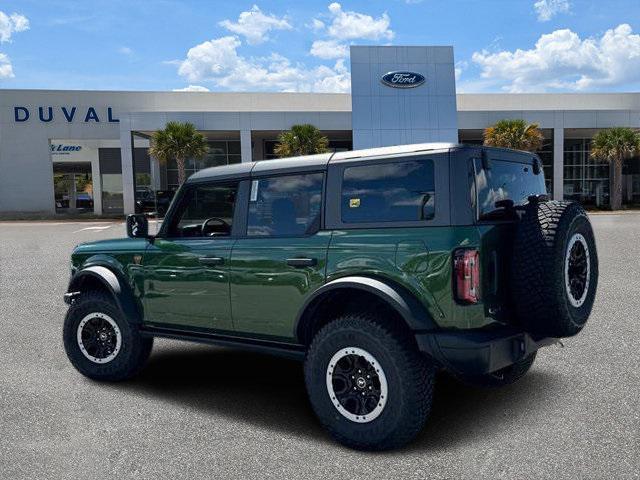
(505, 181)
(212, 204)
(287, 205)
(388, 192)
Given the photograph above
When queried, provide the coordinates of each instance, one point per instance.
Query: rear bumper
(476, 352)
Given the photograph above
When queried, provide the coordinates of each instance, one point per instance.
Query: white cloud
(210, 59)
(192, 88)
(254, 25)
(328, 49)
(561, 60)
(10, 24)
(6, 70)
(316, 25)
(346, 25)
(547, 9)
(125, 51)
(217, 61)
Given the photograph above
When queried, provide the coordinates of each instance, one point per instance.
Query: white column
(558, 163)
(126, 154)
(245, 145)
(97, 184)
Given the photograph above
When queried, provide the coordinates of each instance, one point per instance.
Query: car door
(186, 268)
(282, 257)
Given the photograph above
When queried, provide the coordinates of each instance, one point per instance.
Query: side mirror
(137, 226)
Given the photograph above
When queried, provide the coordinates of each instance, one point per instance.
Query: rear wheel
(100, 343)
(367, 382)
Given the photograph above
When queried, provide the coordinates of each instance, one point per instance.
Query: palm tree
(516, 134)
(301, 140)
(178, 141)
(614, 146)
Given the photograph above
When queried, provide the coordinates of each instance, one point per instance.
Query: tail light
(466, 273)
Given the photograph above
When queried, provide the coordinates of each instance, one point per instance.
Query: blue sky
(500, 46)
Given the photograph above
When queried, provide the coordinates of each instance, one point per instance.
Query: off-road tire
(409, 375)
(131, 356)
(504, 376)
(544, 302)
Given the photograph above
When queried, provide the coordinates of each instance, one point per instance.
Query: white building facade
(74, 152)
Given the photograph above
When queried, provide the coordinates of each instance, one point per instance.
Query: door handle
(302, 262)
(211, 260)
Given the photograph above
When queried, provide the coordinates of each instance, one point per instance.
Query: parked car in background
(84, 201)
(153, 201)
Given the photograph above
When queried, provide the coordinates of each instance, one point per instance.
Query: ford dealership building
(86, 151)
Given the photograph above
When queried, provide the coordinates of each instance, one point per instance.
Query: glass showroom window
(585, 180)
(224, 152)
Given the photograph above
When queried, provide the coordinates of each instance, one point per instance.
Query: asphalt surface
(204, 412)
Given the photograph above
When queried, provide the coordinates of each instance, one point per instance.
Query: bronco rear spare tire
(554, 268)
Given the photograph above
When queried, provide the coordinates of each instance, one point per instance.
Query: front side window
(388, 192)
(205, 211)
(505, 184)
(286, 205)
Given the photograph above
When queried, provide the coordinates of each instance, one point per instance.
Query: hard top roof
(310, 162)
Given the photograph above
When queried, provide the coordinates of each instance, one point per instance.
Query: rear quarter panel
(419, 259)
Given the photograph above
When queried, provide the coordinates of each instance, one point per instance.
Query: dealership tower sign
(403, 79)
(402, 95)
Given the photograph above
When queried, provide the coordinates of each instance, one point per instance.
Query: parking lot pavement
(205, 412)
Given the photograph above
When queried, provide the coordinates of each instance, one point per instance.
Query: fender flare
(119, 290)
(414, 313)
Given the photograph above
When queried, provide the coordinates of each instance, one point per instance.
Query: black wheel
(368, 384)
(100, 343)
(504, 376)
(554, 269)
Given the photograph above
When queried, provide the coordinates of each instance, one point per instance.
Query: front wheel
(100, 343)
(368, 384)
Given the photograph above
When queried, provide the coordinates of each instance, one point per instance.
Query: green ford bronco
(377, 268)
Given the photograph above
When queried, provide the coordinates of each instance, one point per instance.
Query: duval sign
(402, 79)
(66, 113)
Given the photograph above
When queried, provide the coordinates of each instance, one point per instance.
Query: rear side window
(286, 205)
(505, 182)
(388, 192)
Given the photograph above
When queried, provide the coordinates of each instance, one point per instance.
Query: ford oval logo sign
(403, 79)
